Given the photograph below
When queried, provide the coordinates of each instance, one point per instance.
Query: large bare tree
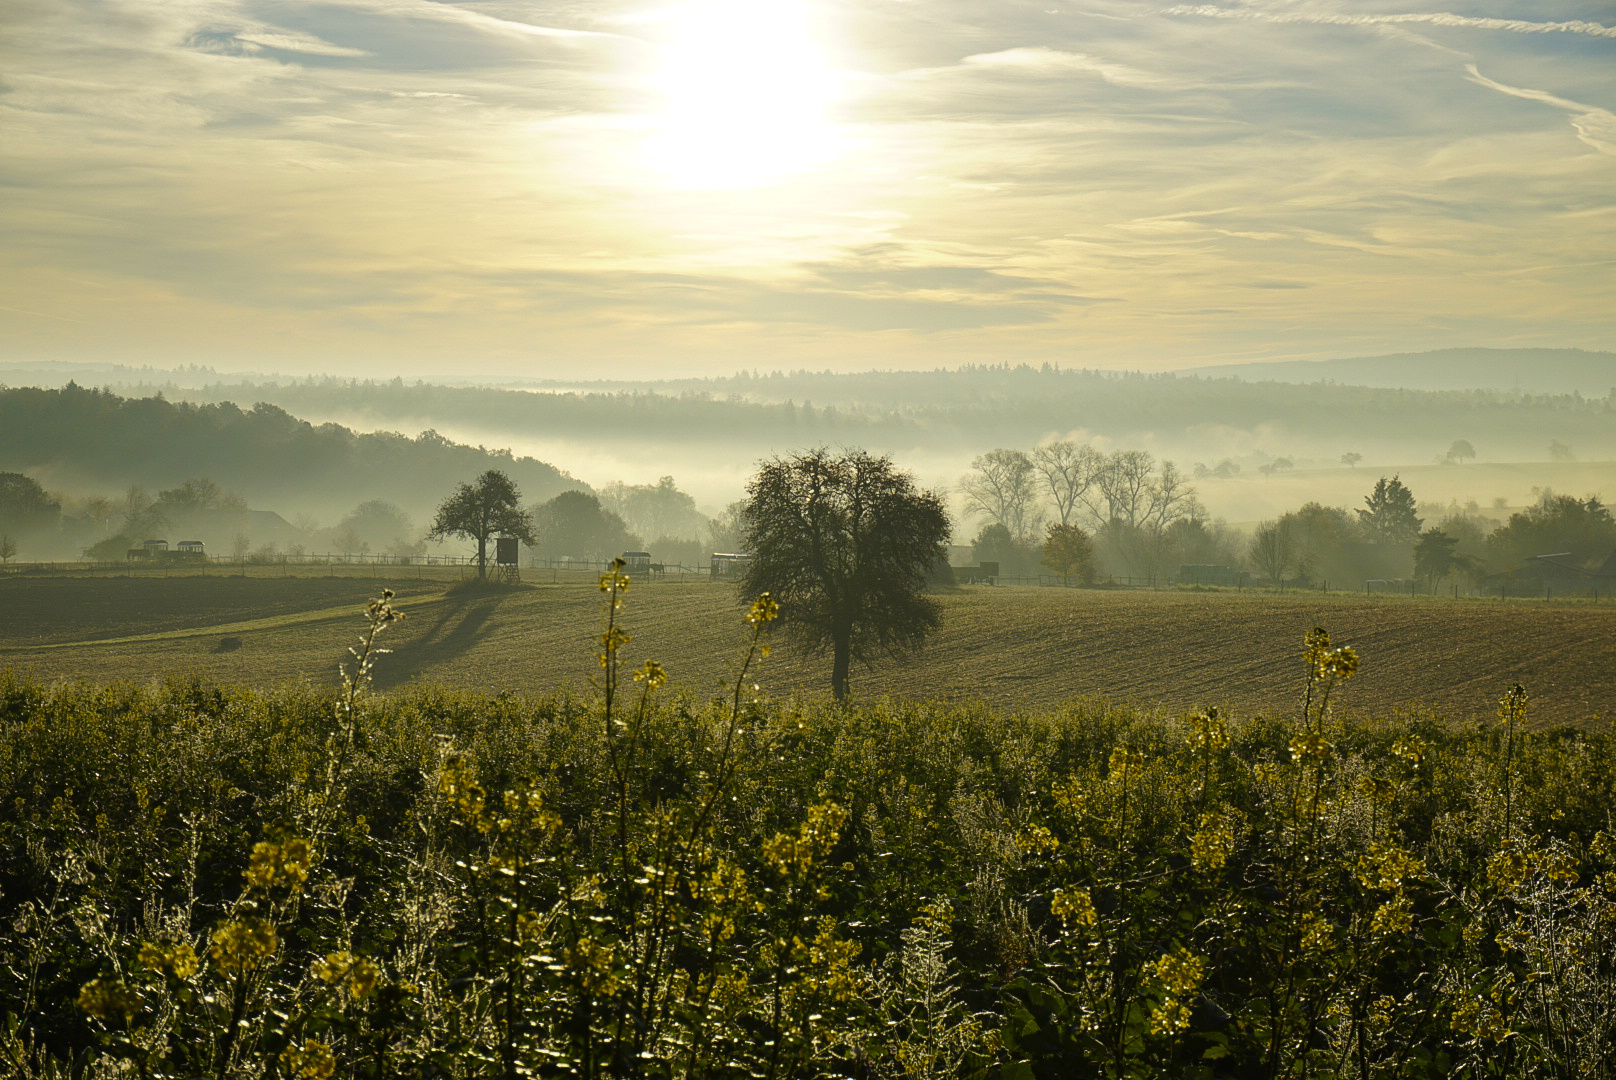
(1002, 485)
(1067, 470)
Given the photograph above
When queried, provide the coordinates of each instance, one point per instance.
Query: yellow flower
(1208, 732)
(1508, 870)
(591, 961)
(458, 784)
(311, 1061)
(1037, 840)
(764, 610)
(792, 853)
(1124, 759)
(1317, 933)
(1180, 973)
(1412, 749)
(1074, 907)
(1512, 707)
(1310, 748)
(1326, 663)
(652, 675)
(178, 960)
(1394, 917)
(356, 973)
(1378, 789)
(108, 1000)
(280, 864)
(614, 580)
(1386, 867)
(242, 944)
(1213, 843)
(611, 641)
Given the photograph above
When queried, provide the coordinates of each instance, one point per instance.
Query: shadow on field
(452, 635)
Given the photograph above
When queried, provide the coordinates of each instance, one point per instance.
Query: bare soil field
(1013, 648)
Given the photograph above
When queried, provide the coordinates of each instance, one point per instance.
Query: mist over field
(1254, 449)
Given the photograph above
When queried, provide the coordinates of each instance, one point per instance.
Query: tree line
(1557, 536)
(264, 454)
(1075, 511)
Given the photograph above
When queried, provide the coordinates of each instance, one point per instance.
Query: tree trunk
(841, 660)
(482, 558)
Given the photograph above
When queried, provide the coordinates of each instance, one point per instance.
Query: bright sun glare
(745, 91)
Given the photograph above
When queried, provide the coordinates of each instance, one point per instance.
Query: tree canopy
(24, 506)
(489, 507)
(844, 543)
(1390, 517)
(574, 523)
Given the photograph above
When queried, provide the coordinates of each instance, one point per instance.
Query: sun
(745, 93)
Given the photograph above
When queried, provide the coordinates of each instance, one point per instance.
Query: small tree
(1461, 450)
(478, 511)
(8, 549)
(1351, 458)
(1069, 552)
(844, 542)
(1436, 556)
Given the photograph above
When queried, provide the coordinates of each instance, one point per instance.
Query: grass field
(1013, 647)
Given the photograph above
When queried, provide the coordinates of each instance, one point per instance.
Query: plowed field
(1009, 647)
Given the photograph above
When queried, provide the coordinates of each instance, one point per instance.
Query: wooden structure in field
(508, 559)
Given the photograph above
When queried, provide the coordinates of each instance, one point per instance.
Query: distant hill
(1532, 371)
(86, 440)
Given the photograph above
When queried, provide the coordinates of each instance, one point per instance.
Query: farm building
(728, 565)
(1210, 574)
(636, 562)
(1561, 572)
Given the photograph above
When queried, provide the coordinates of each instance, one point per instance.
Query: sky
(540, 189)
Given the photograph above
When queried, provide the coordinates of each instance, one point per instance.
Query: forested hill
(975, 408)
(1553, 371)
(94, 439)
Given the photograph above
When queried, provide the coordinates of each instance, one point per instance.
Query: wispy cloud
(1594, 126)
(1326, 18)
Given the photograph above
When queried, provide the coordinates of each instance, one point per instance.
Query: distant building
(192, 548)
(728, 565)
(1209, 574)
(636, 562)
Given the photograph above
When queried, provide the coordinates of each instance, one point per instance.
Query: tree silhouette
(1436, 556)
(844, 543)
(574, 523)
(1273, 550)
(1390, 517)
(490, 507)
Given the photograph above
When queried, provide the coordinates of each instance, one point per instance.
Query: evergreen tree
(1390, 517)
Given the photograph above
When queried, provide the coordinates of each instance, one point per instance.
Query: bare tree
(1124, 485)
(1002, 485)
(1168, 499)
(1068, 471)
(1273, 550)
